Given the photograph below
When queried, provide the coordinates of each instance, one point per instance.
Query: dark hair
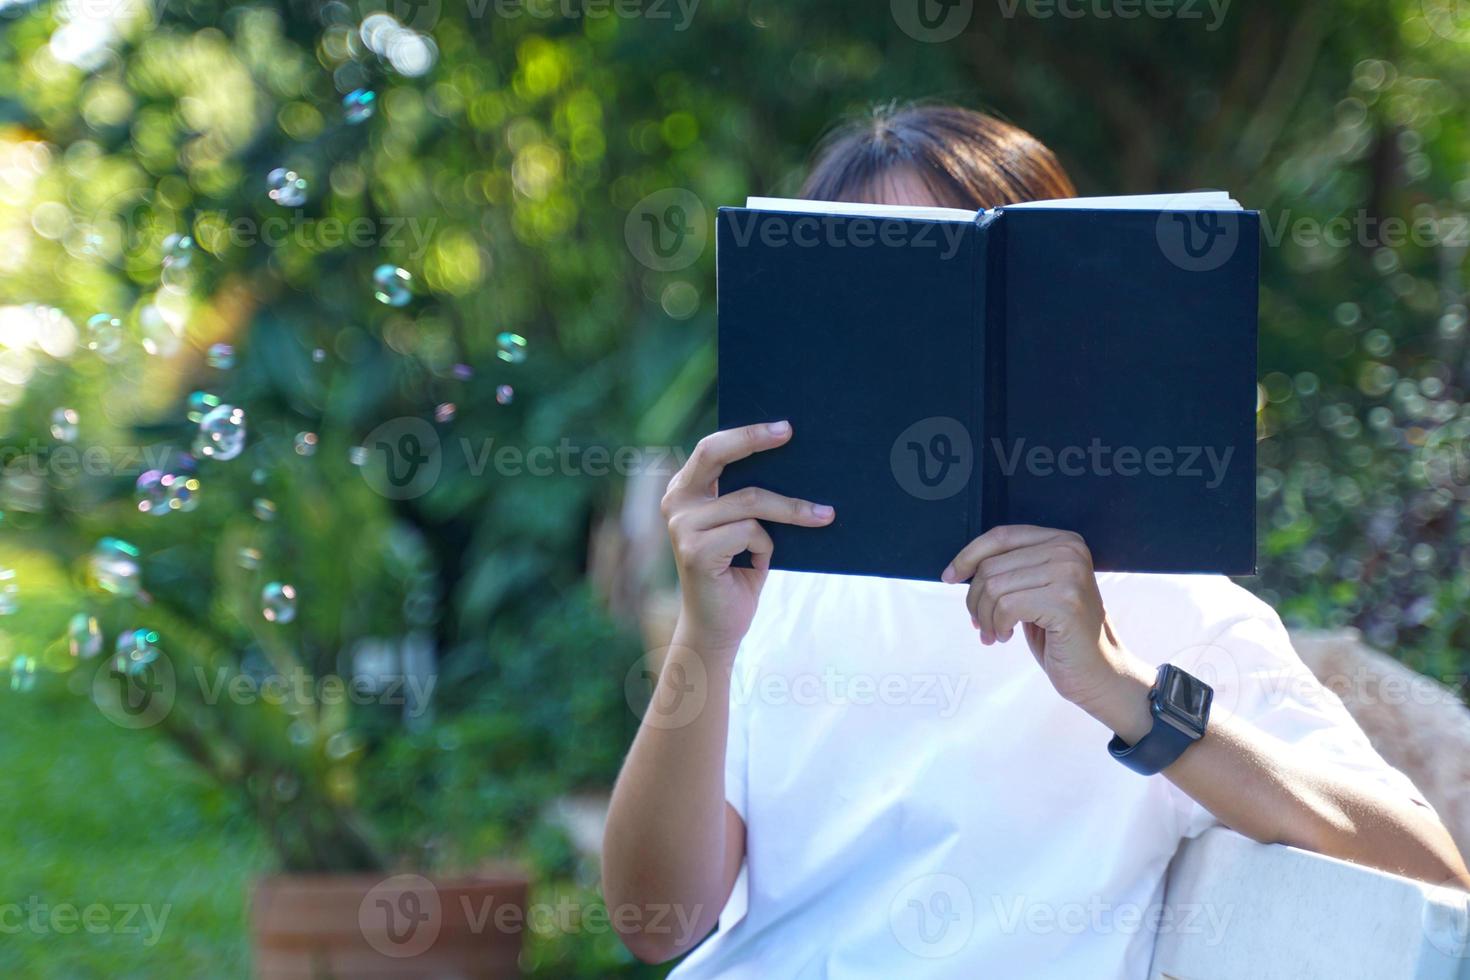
(966, 159)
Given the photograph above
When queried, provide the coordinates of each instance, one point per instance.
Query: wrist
(1120, 701)
(711, 647)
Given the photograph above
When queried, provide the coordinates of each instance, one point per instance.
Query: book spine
(989, 425)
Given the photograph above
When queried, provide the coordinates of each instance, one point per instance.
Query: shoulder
(1189, 610)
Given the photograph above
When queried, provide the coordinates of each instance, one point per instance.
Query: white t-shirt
(920, 805)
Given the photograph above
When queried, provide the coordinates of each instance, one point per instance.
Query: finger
(718, 449)
(1023, 606)
(1024, 558)
(986, 592)
(718, 546)
(998, 540)
(761, 505)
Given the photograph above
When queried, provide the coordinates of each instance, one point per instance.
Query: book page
(869, 210)
(1185, 201)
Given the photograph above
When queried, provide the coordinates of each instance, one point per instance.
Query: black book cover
(1087, 369)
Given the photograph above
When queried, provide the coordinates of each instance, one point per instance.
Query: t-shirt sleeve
(1259, 678)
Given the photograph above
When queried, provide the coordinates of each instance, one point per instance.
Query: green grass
(93, 815)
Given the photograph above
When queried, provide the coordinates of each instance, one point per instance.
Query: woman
(865, 777)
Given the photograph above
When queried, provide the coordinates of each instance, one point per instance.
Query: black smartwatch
(1180, 704)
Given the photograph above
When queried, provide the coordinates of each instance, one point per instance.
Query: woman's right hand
(708, 531)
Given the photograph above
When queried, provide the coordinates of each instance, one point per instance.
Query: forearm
(665, 844)
(1266, 790)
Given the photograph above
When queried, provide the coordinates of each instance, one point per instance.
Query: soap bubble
(113, 568)
(9, 592)
(318, 355)
(248, 558)
(444, 412)
(263, 509)
(221, 433)
(151, 493)
(23, 674)
(200, 403)
(183, 492)
(305, 443)
(64, 425)
(511, 347)
(287, 187)
(178, 251)
(278, 602)
(358, 105)
(463, 372)
(391, 285)
(221, 356)
(83, 637)
(358, 456)
(505, 394)
(104, 334)
(163, 332)
(135, 650)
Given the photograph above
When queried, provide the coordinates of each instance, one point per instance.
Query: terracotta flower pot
(369, 927)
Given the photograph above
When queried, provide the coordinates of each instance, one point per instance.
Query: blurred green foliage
(509, 145)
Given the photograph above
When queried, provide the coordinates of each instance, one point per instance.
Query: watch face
(1183, 701)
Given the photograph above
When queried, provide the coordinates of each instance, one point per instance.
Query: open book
(1087, 364)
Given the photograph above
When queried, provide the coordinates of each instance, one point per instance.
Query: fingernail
(779, 428)
(1009, 634)
(822, 511)
(947, 575)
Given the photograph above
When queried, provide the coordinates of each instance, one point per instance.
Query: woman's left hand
(1041, 579)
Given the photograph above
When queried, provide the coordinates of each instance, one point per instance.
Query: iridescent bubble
(391, 285)
(151, 492)
(135, 650)
(23, 674)
(318, 356)
(305, 443)
(444, 412)
(9, 592)
(113, 568)
(511, 347)
(278, 602)
(258, 476)
(183, 492)
(178, 251)
(83, 637)
(463, 372)
(248, 558)
(263, 509)
(358, 105)
(358, 456)
(287, 187)
(104, 334)
(221, 433)
(505, 394)
(200, 403)
(64, 424)
(221, 356)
